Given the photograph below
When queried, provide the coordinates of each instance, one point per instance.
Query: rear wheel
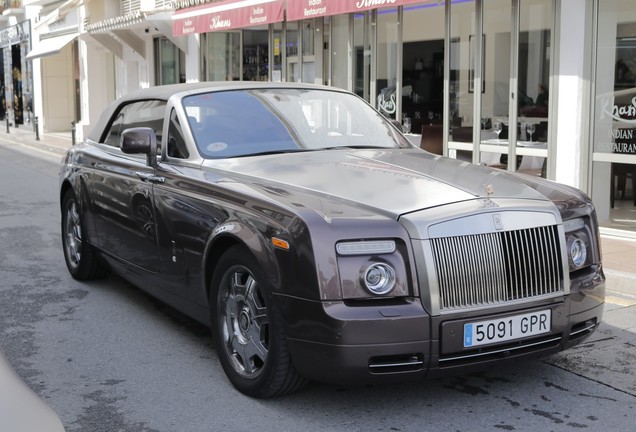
(247, 331)
(81, 260)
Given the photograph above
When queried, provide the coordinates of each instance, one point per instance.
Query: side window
(176, 143)
(112, 138)
(148, 113)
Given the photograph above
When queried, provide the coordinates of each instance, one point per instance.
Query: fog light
(379, 278)
(577, 251)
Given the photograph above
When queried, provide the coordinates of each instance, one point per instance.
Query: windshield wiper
(273, 152)
(355, 147)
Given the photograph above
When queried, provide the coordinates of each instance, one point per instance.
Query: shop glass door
(494, 121)
(256, 54)
(308, 42)
(461, 99)
(340, 52)
(277, 52)
(614, 122)
(386, 61)
(501, 107)
(221, 56)
(362, 55)
(533, 86)
(423, 73)
(293, 63)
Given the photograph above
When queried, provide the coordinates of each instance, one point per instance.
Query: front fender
(233, 232)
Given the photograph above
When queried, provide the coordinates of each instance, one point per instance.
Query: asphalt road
(107, 357)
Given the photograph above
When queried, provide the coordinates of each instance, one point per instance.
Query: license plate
(506, 329)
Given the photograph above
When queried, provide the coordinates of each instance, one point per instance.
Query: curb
(621, 282)
(24, 139)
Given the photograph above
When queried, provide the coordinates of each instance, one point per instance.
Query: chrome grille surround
(494, 268)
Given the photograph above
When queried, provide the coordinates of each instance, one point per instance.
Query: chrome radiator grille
(489, 269)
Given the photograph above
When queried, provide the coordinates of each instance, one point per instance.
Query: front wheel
(81, 260)
(247, 330)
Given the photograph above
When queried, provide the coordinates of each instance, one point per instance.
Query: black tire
(246, 328)
(81, 260)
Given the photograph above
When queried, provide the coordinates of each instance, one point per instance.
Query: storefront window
(340, 52)
(614, 137)
(362, 54)
(293, 66)
(309, 50)
(169, 62)
(387, 28)
(255, 55)
(535, 31)
(423, 72)
(221, 52)
(460, 115)
(511, 122)
(277, 57)
(495, 91)
(308, 38)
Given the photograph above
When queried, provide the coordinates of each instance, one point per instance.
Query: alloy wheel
(244, 323)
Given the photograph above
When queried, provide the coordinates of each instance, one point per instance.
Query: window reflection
(461, 99)
(387, 28)
(509, 120)
(423, 74)
(221, 56)
(614, 170)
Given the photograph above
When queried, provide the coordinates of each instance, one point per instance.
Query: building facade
(544, 87)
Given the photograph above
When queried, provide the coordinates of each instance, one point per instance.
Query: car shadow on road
(579, 388)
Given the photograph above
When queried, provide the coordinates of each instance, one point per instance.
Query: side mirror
(140, 140)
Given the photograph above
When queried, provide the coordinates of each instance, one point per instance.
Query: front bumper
(386, 343)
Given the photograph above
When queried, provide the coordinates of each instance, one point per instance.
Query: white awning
(50, 46)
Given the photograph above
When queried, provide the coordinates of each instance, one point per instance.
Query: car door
(184, 218)
(122, 190)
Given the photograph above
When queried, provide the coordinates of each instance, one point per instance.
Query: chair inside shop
(620, 174)
(432, 138)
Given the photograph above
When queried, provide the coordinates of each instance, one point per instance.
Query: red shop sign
(304, 9)
(226, 15)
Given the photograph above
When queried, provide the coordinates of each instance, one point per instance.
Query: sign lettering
(387, 105)
(373, 3)
(220, 23)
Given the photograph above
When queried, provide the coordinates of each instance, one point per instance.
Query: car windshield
(250, 122)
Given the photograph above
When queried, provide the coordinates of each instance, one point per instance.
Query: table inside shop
(531, 153)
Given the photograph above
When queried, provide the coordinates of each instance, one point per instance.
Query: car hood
(392, 182)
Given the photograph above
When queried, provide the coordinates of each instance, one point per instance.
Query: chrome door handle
(150, 178)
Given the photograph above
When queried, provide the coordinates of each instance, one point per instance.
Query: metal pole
(73, 133)
(36, 127)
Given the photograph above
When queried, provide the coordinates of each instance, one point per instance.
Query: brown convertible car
(319, 244)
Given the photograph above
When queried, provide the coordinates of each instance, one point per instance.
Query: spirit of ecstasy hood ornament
(490, 190)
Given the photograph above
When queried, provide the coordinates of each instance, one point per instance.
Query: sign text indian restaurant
(226, 15)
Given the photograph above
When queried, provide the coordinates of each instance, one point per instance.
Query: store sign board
(226, 15)
(624, 141)
(621, 109)
(16, 34)
(304, 9)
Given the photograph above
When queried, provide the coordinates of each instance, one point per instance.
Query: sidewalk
(57, 142)
(619, 253)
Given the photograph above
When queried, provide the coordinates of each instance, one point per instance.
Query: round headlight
(379, 278)
(577, 251)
